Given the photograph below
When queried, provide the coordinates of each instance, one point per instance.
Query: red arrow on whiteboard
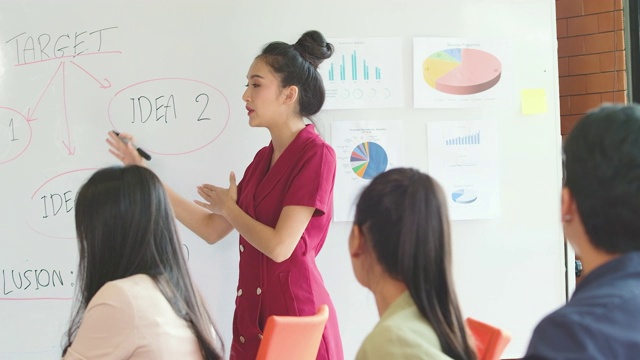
(107, 83)
(31, 111)
(70, 148)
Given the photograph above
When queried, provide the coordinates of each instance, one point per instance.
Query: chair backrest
(293, 337)
(490, 341)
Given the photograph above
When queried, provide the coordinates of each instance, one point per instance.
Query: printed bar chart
(354, 71)
(473, 139)
(363, 73)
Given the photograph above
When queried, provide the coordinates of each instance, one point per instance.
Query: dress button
(242, 339)
(258, 291)
(241, 248)
(239, 292)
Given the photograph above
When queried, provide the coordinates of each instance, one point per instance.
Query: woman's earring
(566, 218)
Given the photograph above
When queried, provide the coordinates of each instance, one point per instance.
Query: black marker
(142, 153)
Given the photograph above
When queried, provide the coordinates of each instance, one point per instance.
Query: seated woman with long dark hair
(401, 251)
(135, 299)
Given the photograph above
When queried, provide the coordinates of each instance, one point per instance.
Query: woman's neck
(283, 135)
(386, 291)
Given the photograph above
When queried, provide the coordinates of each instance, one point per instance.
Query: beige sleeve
(108, 328)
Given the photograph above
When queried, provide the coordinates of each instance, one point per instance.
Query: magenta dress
(303, 175)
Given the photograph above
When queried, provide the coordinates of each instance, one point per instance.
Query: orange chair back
(490, 341)
(293, 337)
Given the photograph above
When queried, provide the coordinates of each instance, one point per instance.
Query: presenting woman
(283, 206)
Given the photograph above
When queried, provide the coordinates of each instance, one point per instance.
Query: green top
(401, 333)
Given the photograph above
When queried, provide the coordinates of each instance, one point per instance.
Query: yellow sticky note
(534, 101)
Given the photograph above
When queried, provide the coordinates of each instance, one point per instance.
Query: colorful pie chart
(368, 160)
(461, 71)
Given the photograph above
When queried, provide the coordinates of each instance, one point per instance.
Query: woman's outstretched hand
(217, 199)
(121, 146)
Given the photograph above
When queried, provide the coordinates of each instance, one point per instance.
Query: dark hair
(125, 226)
(297, 65)
(602, 171)
(403, 215)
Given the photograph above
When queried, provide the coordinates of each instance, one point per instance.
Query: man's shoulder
(601, 323)
(618, 290)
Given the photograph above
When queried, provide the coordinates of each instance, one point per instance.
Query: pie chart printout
(464, 196)
(368, 160)
(461, 71)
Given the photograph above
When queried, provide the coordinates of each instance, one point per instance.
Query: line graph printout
(463, 158)
(364, 149)
(451, 73)
(363, 73)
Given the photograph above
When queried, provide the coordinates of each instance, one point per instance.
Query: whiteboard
(172, 73)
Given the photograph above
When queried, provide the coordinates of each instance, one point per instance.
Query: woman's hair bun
(313, 47)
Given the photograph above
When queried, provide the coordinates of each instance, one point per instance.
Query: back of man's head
(602, 171)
